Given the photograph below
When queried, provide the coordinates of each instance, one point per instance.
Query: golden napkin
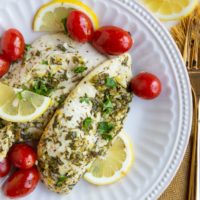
(178, 189)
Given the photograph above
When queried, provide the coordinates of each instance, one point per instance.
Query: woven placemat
(178, 189)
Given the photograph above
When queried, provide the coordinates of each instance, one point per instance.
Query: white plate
(160, 128)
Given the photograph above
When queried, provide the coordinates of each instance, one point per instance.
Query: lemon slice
(115, 165)
(50, 16)
(170, 9)
(21, 106)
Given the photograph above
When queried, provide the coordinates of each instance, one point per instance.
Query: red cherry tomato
(22, 156)
(21, 183)
(12, 44)
(112, 40)
(146, 85)
(79, 26)
(4, 167)
(4, 65)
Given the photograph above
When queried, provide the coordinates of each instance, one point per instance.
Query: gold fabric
(178, 189)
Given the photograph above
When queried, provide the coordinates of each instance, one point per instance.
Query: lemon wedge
(50, 16)
(20, 105)
(115, 165)
(167, 10)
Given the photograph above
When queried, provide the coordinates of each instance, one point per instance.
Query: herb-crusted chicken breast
(53, 65)
(83, 128)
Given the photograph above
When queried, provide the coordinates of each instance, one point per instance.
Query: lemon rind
(120, 173)
(37, 22)
(18, 118)
(175, 16)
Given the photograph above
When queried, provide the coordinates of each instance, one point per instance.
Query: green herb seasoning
(61, 47)
(1, 123)
(107, 106)
(28, 47)
(62, 99)
(44, 62)
(38, 53)
(19, 95)
(80, 69)
(60, 181)
(85, 99)
(125, 61)
(110, 82)
(55, 61)
(107, 137)
(112, 102)
(71, 135)
(104, 128)
(64, 21)
(41, 86)
(87, 123)
(78, 60)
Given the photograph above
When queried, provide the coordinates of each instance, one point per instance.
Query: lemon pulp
(51, 15)
(170, 9)
(115, 165)
(21, 106)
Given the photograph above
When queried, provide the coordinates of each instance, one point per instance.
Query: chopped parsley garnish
(62, 99)
(19, 95)
(41, 87)
(61, 180)
(107, 137)
(110, 82)
(80, 69)
(64, 21)
(107, 106)
(111, 100)
(125, 61)
(78, 60)
(38, 53)
(104, 128)
(87, 123)
(2, 124)
(28, 47)
(44, 62)
(65, 77)
(85, 99)
(61, 47)
(55, 61)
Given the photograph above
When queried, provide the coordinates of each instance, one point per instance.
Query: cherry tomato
(79, 26)
(112, 40)
(22, 156)
(4, 167)
(21, 183)
(4, 65)
(146, 85)
(12, 44)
